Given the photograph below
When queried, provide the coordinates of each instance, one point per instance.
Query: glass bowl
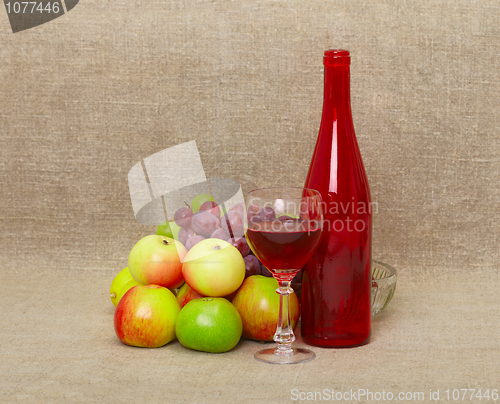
(383, 285)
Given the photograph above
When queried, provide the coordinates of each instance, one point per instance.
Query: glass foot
(297, 355)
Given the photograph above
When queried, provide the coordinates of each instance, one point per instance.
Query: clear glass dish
(383, 285)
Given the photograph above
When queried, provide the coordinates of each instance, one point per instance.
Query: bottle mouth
(334, 57)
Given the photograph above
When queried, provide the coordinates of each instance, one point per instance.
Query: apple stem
(284, 335)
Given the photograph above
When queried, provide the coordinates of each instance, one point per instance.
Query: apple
(157, 260)
(186, 294)
(258, 304)
(125, 288)
(209, 324)
(116, 286)
(213, 267)
(199, 200)
(146, 316)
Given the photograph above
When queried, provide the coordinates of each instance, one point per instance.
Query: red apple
(157, 260)
(146, 316)
(258, 304)
(213, 268)
(186, 294)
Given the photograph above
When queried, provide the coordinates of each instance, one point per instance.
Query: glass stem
(284, 333)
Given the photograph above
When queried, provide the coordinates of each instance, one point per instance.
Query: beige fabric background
(88, 95)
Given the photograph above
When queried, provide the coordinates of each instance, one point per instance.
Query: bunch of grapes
(208, 223)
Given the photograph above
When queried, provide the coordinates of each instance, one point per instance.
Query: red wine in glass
(283, 228)
(283, 245)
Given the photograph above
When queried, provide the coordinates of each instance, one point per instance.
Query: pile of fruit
(197, 280)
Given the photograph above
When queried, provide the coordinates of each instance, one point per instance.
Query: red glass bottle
(336, 284)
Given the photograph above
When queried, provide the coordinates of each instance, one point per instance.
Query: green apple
(157, 260)
(198, 200)
(209, 324)
(213, 267)
(116, 286)
(146, 316)
(168, 229)
(259, 305)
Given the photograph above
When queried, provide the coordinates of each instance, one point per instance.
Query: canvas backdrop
(85, 97)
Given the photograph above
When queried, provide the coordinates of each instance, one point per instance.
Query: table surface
(441, 331)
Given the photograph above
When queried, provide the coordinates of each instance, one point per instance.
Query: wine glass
(283, 227)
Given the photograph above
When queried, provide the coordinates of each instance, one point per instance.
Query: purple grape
(212, 207)
(183, 217)
(266, 272)
(204, 223)
(253, 212)
(192, 241)
(221, 234)
(241, 244)
(252, 266)
(232, 222)
(239, 208)
(298, 277)
(185, 233)
(267, 213)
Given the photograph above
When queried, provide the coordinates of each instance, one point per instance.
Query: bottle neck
(337, 91)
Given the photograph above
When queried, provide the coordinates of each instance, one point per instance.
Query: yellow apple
(214, 268)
